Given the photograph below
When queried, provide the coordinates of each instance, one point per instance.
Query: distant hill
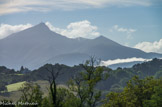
(117, 77)
(38, 45)
(124, 65)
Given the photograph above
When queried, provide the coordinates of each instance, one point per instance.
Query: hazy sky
(135, 23)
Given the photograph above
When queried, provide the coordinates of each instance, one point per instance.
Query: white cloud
(73, 30)
(77, 29)
(150, 47)
(127, 60)
(14, 6)
(6, 29)
(128, 31)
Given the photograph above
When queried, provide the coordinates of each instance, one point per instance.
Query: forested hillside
(98, 80)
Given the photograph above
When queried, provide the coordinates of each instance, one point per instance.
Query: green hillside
(15, 86)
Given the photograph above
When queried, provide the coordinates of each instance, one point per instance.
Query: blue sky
(124, 21)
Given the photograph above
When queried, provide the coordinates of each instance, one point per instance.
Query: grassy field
(19, 74)
(44, 85)
(14, 94)
(15, 86)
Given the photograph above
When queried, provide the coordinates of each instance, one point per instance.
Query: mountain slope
(38, 45)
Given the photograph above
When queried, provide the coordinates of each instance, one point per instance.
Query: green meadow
(15, 86)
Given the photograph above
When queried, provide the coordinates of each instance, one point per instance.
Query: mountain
(38, 45)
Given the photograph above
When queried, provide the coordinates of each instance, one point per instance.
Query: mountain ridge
(38, 45)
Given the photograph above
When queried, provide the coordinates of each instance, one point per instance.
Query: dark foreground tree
(31, 95)
(84, 83)
(64, 97)
(138, 93)
(156, 97)
(53, 74)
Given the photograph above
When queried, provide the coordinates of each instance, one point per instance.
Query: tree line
(83, 91)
